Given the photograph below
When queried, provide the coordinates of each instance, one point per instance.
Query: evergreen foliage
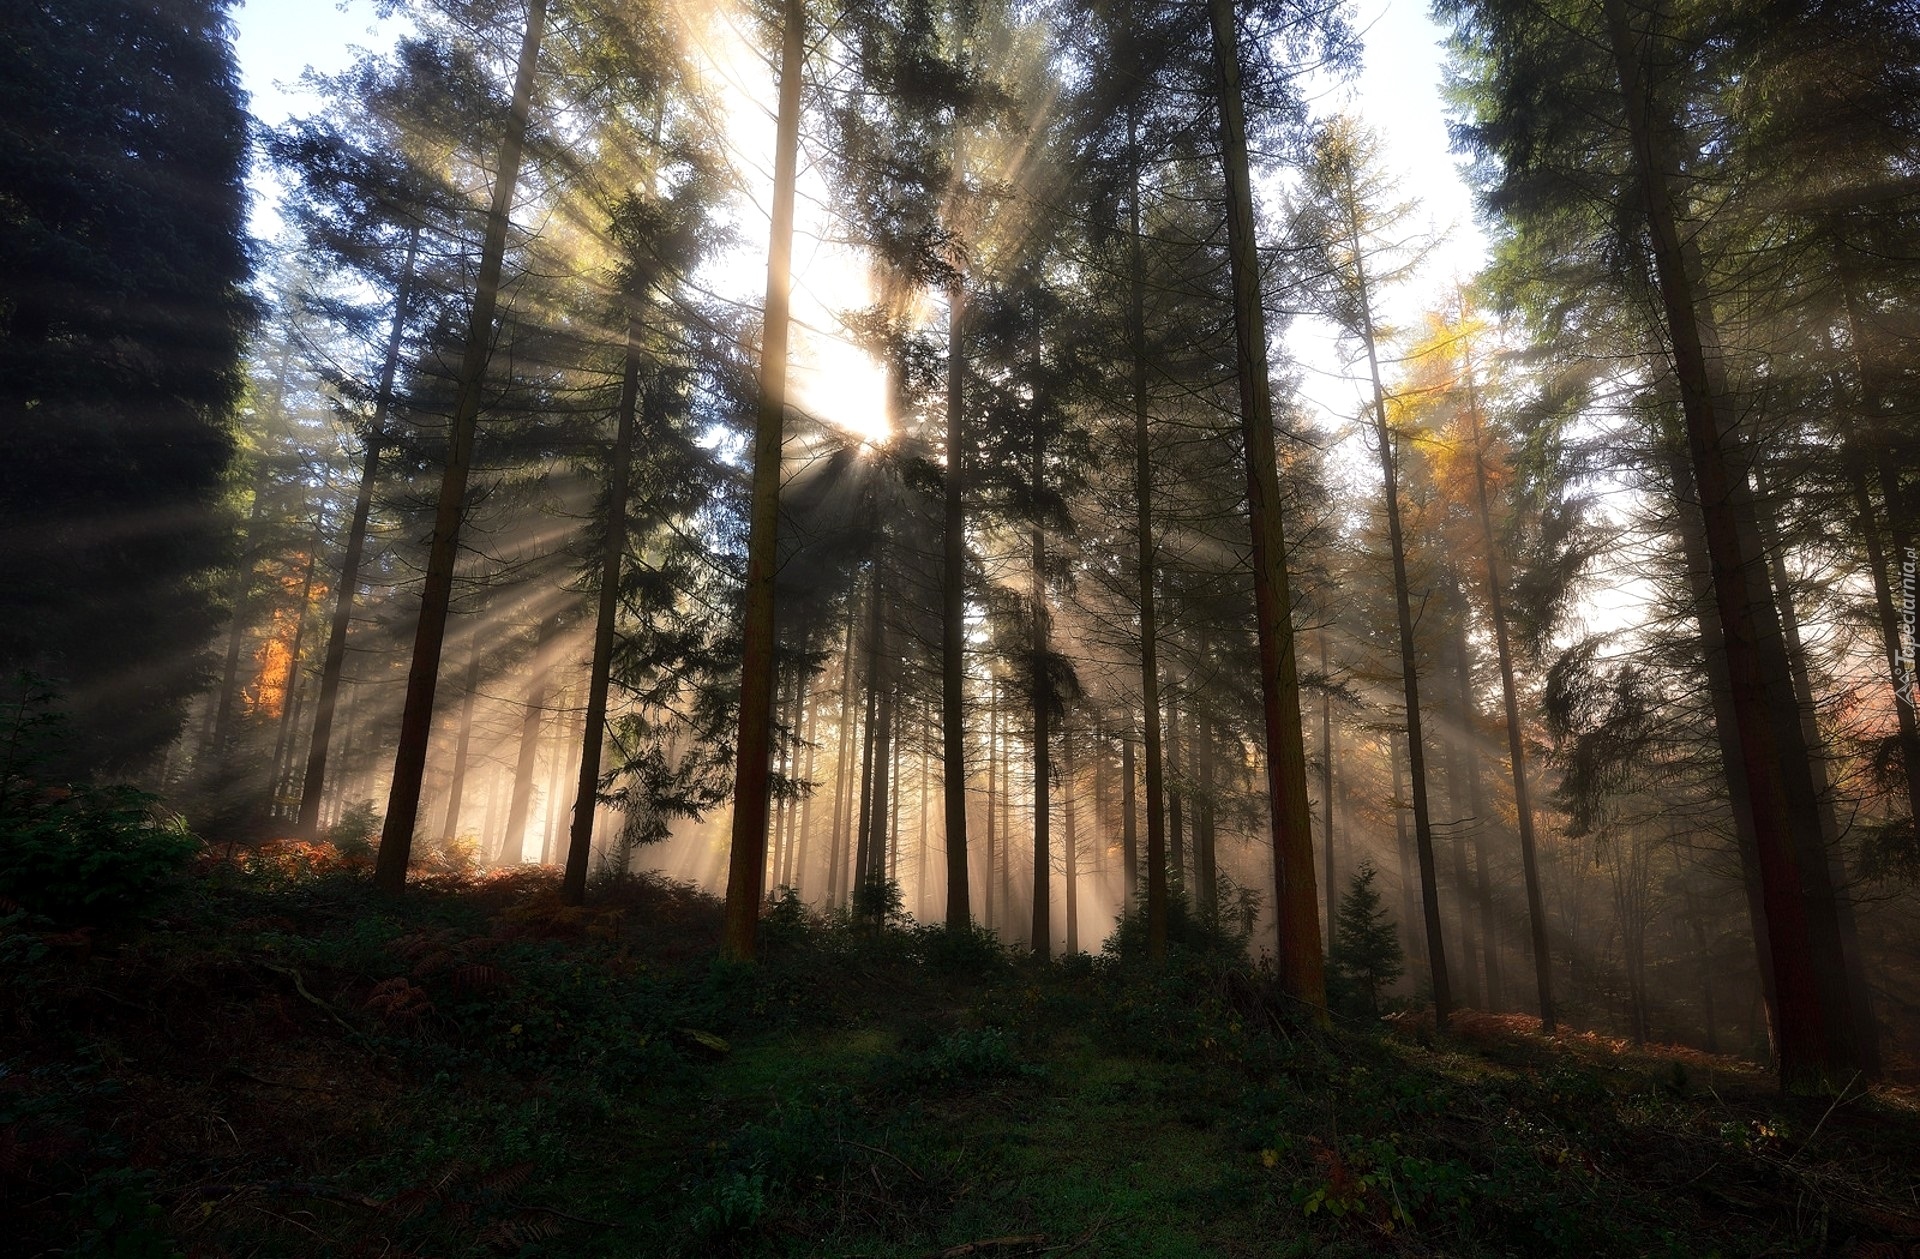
(1366, 957)
(123, 316)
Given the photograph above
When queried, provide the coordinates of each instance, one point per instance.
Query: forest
(748, 633)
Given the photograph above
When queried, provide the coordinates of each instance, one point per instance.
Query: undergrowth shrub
(1224, 929)
(356, 831)
(87, 856)
(81, 855)
(970, 1055)
(968, 950)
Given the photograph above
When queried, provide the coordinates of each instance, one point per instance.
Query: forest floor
(284, 1064)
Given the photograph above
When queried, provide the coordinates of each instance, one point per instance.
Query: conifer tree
(1366, 956)
(123, 314)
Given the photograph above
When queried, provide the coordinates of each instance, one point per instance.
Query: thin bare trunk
(416, 718)
(336, 656)
(613, 548)
(953, 627)
(1042, 750)
(751, 758)
(1129, 828)
(1516, 737)
(1409, 670)
(457, 785)
(513, 844)
(1326, 792)
(1070, 854)
(1144, 553)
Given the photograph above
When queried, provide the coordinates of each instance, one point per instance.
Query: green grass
(286, 1065)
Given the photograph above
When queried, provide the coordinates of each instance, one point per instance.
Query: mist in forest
(860, 453)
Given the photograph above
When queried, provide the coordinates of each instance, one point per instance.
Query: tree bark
(1859, 992)
(457, 784)
(1042, 750)
(751, 758)
(613, 549)
(871, 740)
(1144, 553)
(1296, 907)
(513, 843)
(1815, 1032)
(290, 698)
(953, 625)
(1474, 828)
(1129, 829)
(335, 659)
(1516, 737)
(1409, 659)
(1326, 792)
(844, 780)
(1070, 855)
(416, 719)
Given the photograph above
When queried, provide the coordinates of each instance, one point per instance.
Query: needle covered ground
(278, 1062)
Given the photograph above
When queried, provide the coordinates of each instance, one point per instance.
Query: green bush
(1366, 955)
(966, 1056)
(79, 855)
(356, 831)
(88, 855)
(1225, 930)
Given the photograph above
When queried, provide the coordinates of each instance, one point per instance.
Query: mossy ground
(287, 1065)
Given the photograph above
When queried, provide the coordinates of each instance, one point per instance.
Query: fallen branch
(987, 1244)
(300, 986)
(874, 1149)
(245, 1074)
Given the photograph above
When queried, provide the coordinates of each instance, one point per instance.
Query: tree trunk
(1070, 854)
(874, 866)
(1149, 620)
(893, 793)
(1816, 1037)
(1889, 622)
(926, 803)
(1326, 792)
(336, 656)
(1129, 830)
(416, 719)
(613, 549)
(1042, 751)
(1205, 871)
(1409, 667)
(1409, 889)
(1296, 907)
(953, 626)
(290, 698)
(1176, 802)
(1452, 756)
(1477, 823)
(873, 741)
(844, 780)
(513, 844)
(560, 744)
(797, 868)
(751, 759)
(1859, 992)
(1516, 737)
(457, 785)
(1693, 546)
(995, 789)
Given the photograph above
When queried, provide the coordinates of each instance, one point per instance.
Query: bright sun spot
(841, 384)
(829, 377)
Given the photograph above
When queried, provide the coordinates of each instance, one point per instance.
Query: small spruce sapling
(1366, 954)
